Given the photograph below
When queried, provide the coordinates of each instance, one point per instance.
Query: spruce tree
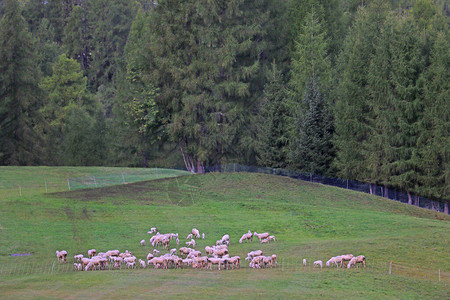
(352, 114)
(274, 139)
(206, 60)
(311, 146)
(20, 95)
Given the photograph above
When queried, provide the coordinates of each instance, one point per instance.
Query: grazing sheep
(142, 263)
(209, 250)
(246, 237)
(346, 257)
(143, 243)
(85, 261)
(156, 252)
(264, 241)
(256, 262)
(78, 267)
(355, 260)
(117, 262)
(235, 262)
(318, 263)
(152, 230)
(189, 236)
(61, 255)
(193, 254)
(271, 238)
(158, 262)
(274, 259)
(78, 257)
(261, 235)
(172, 251)
(112, 253)
(131, 265)
(191, 243)
(220, 252)
(334, 261)
(252, 254)
(92, 252)
(304, 262)
(214, 261)
(195, 232)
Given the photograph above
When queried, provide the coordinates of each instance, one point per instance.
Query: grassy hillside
(309, 220)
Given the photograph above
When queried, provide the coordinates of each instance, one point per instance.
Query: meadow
(309, 220)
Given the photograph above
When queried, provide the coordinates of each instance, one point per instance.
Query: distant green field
(309, 220)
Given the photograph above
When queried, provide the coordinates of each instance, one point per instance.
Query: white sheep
(142, 263)
(156, 252)
(196, 232)
(191, 243)
(252, 254)
(318, 263)
(304, 262)
(261, 235)
(152, 230)
(92, 252)
(61, 255)
(143, 243)
(357, 259)
(189, 236)
(77, 266)
(78, 257)
(131, 265)
(173, 251)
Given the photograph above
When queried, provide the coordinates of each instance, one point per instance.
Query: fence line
(377, 190)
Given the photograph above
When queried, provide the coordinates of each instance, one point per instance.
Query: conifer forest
(355, 89)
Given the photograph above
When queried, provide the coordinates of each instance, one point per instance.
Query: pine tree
(352, 114)
(206, 61)
(77, 37)
(274, 139)
(433, 144)
(19, 91)
(311, 145)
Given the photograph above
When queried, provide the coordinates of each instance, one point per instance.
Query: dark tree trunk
(416, 200)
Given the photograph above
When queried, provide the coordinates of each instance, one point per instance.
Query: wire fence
(284, 265)
(381, 191)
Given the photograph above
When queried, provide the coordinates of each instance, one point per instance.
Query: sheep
(252, 254)
(334, 261)
(209, 250)
(245, 237)
(346, 257)
(357, 259)
(77, 266)
(149, 256)
(191, 243)
(189, 236)
(318, 263)
(61, 255)
(199, 262)
(256, 262)
(173, 251)
(195, 232)
(152, 230)
(156, 252)
(142, 263)
(143, 243)
(131, 265)
(224, 240)
(117, 262)
(193, 254)
(304, 262)
(84, 262)
(274, 260)
(220, 252)
(271, 238)
(129, 259)
(214, 261)
(267, 260)
(112, 253)
(78, 257)
(235, 262)
(92, 252)
(158, 262)
(261, 235)
(203, 236)
(185, 250)
(264, 241)
(166, 243)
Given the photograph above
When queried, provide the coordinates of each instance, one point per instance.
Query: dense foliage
(356, 89)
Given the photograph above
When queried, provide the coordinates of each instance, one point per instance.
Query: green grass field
(310, 221)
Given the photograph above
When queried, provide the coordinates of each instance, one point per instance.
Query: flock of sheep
(189, 257)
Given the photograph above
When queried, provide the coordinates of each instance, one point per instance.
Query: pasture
(309, 220)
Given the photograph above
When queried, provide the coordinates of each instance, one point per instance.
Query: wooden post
(68, 183)
(390, 268)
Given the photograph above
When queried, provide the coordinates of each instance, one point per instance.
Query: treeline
(356, 89)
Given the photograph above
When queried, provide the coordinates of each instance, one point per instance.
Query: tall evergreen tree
(19, 91)
(352, 115)
(311, 145)
(206, 60)
(433, 146)
(273, 135)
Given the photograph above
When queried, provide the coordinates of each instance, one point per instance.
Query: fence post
(68, 183)
(234, 167)
(53, 265)
(390, 268)
(439, 275)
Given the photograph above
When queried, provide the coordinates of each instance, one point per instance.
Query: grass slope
(309, 220)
